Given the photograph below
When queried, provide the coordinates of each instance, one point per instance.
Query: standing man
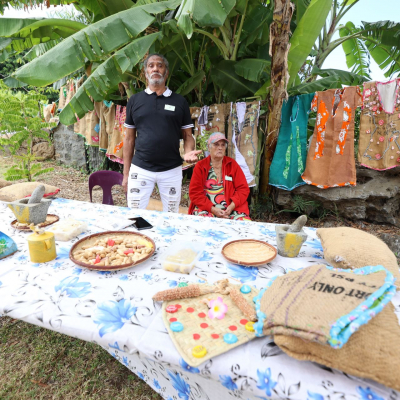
(160, 118)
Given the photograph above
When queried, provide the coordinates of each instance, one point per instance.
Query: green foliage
(201, 141)
(12, 63)
(262, 208)
(20, 123)
(311, 208)
(357, 55)
(305, 35)
(302, 206)
(105, 77)
(383, 43)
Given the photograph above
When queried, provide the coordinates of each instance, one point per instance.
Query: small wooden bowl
(92, 238)
(50, 220)
(246, 257)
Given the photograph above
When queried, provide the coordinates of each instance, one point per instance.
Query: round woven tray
(249, 252)
(110, 234)
(50, 220)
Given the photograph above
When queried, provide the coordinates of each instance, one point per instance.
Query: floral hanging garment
(291, 150)
(379, 145)
(330, 159)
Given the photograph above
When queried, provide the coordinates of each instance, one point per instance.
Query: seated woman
(218, 187)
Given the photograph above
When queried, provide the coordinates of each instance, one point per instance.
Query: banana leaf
(104, 8)
(225, 77)
(331, 82)
(300, 8)
(357, 54)
(252, 68)
(257, 23)
(382, 40)
(346, 78)
(191, 83)
(39, 49)
(106, 78)
(387, 32)
(94, 43)
(210, 13)
(13, 83)
(305, 35)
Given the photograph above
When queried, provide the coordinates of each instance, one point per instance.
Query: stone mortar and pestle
(32, 210)
(290, 238)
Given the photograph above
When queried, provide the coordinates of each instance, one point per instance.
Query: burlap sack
(80, 127)
(92, 127)
(353, 248)
(245, 133)
(4, 183)
(63, 97)
(116, 141)
(25, 189)
(373, 352)
(70, 86)
(216, 119)
(323, 304)
(48, 111)
(107, 119)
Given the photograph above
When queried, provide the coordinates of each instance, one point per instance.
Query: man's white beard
(155, 82)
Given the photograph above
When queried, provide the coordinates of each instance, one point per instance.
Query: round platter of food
(50, 220)
(112, 250)
(249, 252)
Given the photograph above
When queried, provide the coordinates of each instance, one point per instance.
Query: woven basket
(249, 252)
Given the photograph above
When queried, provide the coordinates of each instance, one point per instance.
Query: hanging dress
(291, 150)
(379, 144)
(330, 159)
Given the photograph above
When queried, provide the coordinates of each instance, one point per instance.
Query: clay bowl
(88, 240)
(249, 252)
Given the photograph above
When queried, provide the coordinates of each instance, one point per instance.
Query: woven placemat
(200, 330)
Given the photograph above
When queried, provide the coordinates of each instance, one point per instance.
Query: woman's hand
(229, 209)
(218, 212)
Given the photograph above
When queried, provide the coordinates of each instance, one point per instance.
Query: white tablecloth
(115, 309)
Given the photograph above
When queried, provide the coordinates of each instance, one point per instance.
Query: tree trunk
(278, 50)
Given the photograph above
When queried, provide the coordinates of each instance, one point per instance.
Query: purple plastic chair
(106, 180)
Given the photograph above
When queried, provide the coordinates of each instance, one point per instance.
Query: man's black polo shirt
(158, 121)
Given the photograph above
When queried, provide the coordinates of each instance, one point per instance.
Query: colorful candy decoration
(218, 308)
(245, 289)
(249, 326)
(199, 351)
(230, 338)
(171, 309)
(176, 327)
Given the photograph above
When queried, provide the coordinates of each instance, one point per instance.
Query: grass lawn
(39, 364)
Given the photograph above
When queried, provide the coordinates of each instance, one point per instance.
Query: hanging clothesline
(330, 160)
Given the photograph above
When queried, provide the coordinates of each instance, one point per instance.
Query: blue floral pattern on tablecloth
(115, 309)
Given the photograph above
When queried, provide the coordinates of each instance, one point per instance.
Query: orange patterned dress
(330, 159)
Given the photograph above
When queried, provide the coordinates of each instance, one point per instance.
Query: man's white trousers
(141, 184)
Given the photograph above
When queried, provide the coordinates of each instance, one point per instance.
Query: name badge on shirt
(169, 108)
(228, 178)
